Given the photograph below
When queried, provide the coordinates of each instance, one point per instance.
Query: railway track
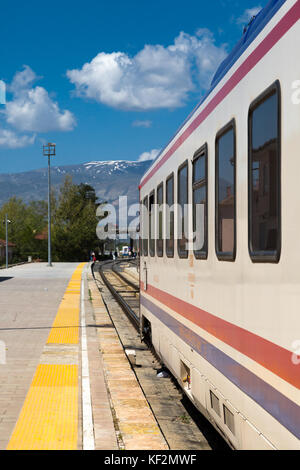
(125, 291)
(183, 427)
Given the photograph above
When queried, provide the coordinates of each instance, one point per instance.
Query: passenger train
(220, 234)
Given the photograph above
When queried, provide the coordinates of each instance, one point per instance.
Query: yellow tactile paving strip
(49, 417)
(65, 328)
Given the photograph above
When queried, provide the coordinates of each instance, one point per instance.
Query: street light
(49, 151)
(7, 221)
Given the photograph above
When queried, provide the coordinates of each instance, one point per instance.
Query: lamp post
(7, 221)
(49, 151)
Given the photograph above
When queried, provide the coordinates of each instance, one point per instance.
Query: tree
(26, 222)
(73, 226)
(74, 222)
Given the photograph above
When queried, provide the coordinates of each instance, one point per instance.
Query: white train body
(229, 329)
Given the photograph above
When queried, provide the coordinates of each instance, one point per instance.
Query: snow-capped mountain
(110, 179)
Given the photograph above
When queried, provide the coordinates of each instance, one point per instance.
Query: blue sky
(107, 80)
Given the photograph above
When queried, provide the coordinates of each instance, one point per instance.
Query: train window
(182, 218)
(215, 403)
(138, 230)
(160, 202)
(170, 216)
(200, 203)
(264, 177)
(228, 419)
(145, 231)
(225, 193)
(152, 224)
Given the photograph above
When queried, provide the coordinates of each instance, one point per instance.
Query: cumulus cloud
(32, 109)
(9, 139)
(147, 156)
(2, 92)
(248, 14)
(156, 77)
(23, 80)
(145, 124)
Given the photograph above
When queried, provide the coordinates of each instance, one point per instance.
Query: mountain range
(110, 179)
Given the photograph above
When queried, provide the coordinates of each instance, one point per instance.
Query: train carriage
(220, 258)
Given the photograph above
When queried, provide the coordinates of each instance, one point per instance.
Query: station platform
(65, 380)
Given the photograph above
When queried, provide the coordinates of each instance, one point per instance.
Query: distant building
(42, 235)
(3, 250)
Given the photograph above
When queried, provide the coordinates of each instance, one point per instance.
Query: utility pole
(7, 221)
(49, 151)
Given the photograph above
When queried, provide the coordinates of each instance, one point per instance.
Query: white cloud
(156, 77)
(32, 109)
(23, 80)
(145, 124)
(10, 139)
(147, 156)
(2, 92)
(248, 14)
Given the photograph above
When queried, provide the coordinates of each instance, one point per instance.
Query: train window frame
(201, 254)
(170, 253)
(152, 224)
(145, 239)
(264, 256)
(182, 254)
(160, 242)
(223, 255)
(140, 241)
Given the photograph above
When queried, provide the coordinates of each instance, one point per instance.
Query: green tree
(74, 222)
(73, 226)
(25, 222)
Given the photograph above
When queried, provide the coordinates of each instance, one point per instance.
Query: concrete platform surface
(63, 371)
(29, 299)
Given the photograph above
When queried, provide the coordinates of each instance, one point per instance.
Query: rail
(124, 278)
(119, 298)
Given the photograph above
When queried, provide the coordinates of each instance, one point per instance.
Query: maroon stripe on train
(269, 355)
(254, 58)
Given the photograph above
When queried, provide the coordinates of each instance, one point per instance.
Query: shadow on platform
(2, 278)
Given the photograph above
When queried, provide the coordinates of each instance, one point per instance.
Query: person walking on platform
(93, 259)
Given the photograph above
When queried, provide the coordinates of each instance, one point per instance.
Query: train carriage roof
(251, 31)
(256, 25)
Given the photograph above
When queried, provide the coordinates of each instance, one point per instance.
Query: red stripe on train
(264, 47)
(271, 356)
